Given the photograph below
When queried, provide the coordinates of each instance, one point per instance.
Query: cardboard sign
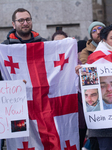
(14, 120)
(96, 87)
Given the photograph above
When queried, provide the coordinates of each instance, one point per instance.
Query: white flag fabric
(102, 54)
(49, 69)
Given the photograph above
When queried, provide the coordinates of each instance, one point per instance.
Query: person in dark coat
(82, 123)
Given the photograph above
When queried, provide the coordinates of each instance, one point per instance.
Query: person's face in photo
(88, 82)
(91, 96)
(106, 88)
(93, 77)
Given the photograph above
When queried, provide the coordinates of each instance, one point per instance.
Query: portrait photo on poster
(92, 99)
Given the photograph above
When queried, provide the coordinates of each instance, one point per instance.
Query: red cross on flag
(11, 64)
(49, 69)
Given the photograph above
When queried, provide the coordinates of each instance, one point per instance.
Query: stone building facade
(102, 11)
(72, 16)
(108, 11)
(98, 10)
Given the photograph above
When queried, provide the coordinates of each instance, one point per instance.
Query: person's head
(106, 35)
(106, 89)
(94, 31)
(91, 96)
(22, 22)
(59, 35)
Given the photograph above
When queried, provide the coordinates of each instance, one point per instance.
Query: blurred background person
(82, 123)
(94, 32)
(59, 35)
(81, 46)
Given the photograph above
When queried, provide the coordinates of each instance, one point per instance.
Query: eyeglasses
(22, 20)
(99, 28)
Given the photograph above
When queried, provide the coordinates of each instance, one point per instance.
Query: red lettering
(16, 112)
(13, 89)
(7, 89)
(18, 87)
(2, 127)
(8, 112)
(10, 90)
(12, 111)
(2, 91)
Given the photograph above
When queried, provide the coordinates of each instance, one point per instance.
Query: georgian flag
(49, 69)
(102, 54)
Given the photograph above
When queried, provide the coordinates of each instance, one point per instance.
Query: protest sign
(96, 87)
(13, 109)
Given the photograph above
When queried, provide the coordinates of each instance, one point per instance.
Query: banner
(49, 69)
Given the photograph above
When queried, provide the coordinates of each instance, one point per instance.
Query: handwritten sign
(96, 87)
(14, 120)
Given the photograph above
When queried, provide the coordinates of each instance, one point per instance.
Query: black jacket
(12, 39)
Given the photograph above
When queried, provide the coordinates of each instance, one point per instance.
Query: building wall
(98, 10)
(102, 11)
(74, 16)
(108, 11)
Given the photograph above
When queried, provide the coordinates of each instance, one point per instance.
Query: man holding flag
(51, 86)
(22, 29)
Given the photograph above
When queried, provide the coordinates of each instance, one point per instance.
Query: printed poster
(96, 87)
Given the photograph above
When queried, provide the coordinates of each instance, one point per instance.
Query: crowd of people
(99, 139)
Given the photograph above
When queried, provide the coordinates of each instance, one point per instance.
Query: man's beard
(95, 103)
(23, 33)
(97, 40)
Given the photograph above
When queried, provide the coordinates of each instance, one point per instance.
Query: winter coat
(12, 39)
(87, 51)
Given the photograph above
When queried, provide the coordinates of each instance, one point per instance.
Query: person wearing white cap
(94, 32)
